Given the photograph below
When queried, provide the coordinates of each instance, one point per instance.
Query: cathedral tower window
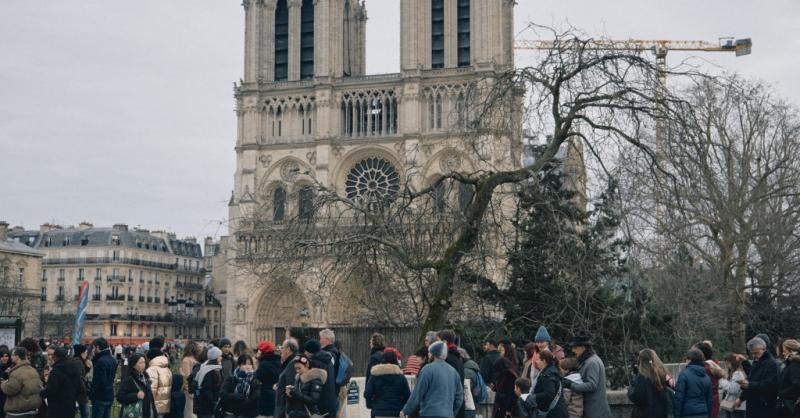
(370, 113)
(281, 41)
(346, 39)
(307, 40)
(437, 34)
(278, 204)
(463, 33)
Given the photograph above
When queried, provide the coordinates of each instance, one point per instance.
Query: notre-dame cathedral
(306, 105)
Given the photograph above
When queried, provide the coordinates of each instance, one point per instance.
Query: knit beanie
(214, 353)
(312, 346)
(542, 335)
(223, 342)
(438, 350)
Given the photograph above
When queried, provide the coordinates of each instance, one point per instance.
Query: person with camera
(23, 387)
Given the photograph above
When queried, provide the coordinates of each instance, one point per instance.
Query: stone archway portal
(282, 305)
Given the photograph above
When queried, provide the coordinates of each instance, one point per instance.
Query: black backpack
(192, 384)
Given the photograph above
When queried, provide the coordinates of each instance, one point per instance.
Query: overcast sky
(122, 111)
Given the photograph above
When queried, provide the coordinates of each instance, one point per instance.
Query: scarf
(204, 370)
(243, 381)
(588, 353)
(451, 346)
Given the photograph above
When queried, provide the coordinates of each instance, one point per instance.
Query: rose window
(372, 180)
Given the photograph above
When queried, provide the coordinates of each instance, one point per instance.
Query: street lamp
(189, 314)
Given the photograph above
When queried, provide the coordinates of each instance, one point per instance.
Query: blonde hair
(651, 367)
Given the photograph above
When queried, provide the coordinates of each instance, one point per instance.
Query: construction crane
(658, 47)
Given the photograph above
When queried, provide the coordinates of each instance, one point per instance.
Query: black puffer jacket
(240, 394)
(387, 391)
(62, 389)
(330, 397)
(789, 389)
(269, 369)
(546, 391)
(306, 394)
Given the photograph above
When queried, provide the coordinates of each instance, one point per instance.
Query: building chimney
(3, 230)
(120, 227)
(47, 227)
(85, 225)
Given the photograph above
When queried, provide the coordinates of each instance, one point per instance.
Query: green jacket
(22, 389)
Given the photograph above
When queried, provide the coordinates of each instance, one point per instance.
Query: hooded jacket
(307, 394)
(269, 369)
(387, 391)
(762, 390)
(63, 387)
(22, 388)
(693, 392)
(209, 379)
(160, 382)
(330, 396)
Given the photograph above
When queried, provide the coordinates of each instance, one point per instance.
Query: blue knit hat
(438, 350)
(542, 335)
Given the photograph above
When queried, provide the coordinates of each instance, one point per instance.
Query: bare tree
(417, 241)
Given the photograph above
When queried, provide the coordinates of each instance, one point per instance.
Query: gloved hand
(566, 383)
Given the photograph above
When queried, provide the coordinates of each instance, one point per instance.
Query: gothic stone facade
(306, 105)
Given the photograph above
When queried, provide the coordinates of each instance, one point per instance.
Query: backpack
(194, 388)
(345, 371)
(480, 393)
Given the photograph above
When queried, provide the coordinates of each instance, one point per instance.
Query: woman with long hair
(508, 352)
(648, 392)
(240, 391)
(789, 385)
(549, 391)
(505, 374)
(304, 395)
(190, 354)
(135, 391)
(731, 389)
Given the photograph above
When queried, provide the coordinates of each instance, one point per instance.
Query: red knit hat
(395, 351)
(266, 347)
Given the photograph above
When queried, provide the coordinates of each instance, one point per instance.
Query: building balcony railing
(95, 297)
(115, 298)
(189, 286)
(127, 261)
(118, 279)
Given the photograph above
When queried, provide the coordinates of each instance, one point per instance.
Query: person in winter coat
(487, 362)
(648, 391)
(269, 369)
(5, 365)
(305, 394)
(448, 336)
(529, 370)
(321, 359)
(548, 392)
(227, 361)
(761, 386)
(209, 382)
(439, 391)
(37, 359)
(593, 375)
(63, 385)
(731, 389)
(241, 391)
(387, 391)
(289, 350)
(102, 389)
(574, 400)
(505, 399)
(471, 372)
(714, 373)
(136, 387)
(693, 391)
(526, 404)
(82, 357)
(789, 386)
(377, 343)
(508, 352)
(23, 387)
(544, 342)
(177, 399)
(190, 359)
(161, 381)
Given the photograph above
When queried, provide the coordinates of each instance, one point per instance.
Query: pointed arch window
(466, 192)
(437, 33)
(278, 204)
(281, 41)
(346, 40)
(440, 196)
(463, 33)
(305, 204)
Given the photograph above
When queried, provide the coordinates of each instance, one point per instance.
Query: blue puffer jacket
(387, 390)
(693, 392)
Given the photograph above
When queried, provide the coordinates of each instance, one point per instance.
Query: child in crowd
(569, 369)
(526, 404)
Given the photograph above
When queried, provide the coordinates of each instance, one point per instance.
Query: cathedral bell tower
(290, 40)
(456, 33)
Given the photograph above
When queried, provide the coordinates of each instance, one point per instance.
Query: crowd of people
(224, 380)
